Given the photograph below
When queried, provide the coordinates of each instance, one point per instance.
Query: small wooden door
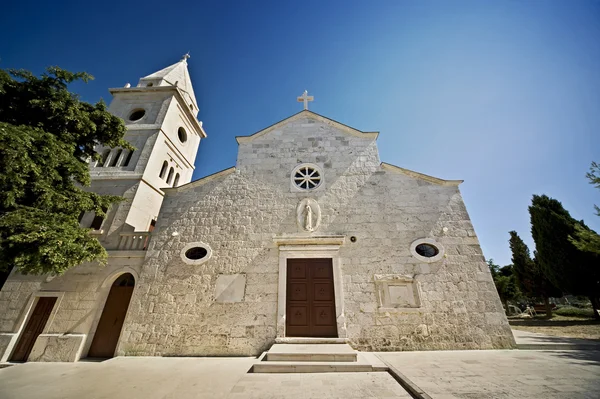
(112, 318)
(310, 307)
(34, 328)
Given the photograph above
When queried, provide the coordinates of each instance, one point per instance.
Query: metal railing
(137, 241)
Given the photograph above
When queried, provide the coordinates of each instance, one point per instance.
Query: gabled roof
(308, 114)
(422, 176)
(175, 74)
(201, 181)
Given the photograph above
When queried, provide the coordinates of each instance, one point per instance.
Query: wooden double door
(310, 298)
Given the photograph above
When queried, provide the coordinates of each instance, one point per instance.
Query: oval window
(427, 250)
(137, 115)
(182, 135)
(196, 253)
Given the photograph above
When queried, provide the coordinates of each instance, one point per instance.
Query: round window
(196, 253)
(137, 115)
(427, 250)
(182, 135)
(306, 177)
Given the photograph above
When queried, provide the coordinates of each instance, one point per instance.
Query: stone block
(57, 348)
(230, 288)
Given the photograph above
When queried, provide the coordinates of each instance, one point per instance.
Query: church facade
(308, 236)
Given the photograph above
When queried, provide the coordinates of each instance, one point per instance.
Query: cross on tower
(305, 98)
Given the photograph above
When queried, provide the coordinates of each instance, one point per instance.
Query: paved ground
(531, 340)
(318, 385)
(533, 374)
(183, 378)
(131, 378)
(502, 374)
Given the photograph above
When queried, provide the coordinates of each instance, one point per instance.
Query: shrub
(574, 312)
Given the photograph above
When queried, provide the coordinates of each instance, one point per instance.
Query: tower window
(163, 170)
(102, 160)
(137, 114)
(181, 133)
(176, 181)
(150, 84)
(97, 222)
(116, 157)
(128, 159)
(170, 176)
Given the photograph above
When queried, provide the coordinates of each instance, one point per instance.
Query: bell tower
(160, 116)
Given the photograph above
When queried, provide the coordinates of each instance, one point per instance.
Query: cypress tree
(529, 275)
(574, 271)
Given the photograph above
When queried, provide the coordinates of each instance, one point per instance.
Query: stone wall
(81, 293)
(237, 213)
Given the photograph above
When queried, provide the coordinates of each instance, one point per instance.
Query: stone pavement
(183, 378)
(318, 385)
(131, 378)
(505, 374)
(498, 374)
(531, 340)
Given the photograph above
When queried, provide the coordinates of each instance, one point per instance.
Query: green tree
(505, 282)
(574, 271)
(47, 137)
(584, 238)
(528, 275)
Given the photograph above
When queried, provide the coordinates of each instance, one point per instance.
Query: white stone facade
(367, 216)
(248, 216)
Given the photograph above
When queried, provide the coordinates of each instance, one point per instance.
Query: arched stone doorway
(113, 315)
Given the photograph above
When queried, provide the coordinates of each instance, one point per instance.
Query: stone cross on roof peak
(305, 98)
(185, 56)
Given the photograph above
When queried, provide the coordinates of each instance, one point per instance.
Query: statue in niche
(308, 214)
(308, 224)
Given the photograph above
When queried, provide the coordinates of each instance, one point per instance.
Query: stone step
(311, 367)
(310, 357)
(309, 340)
(311, 353)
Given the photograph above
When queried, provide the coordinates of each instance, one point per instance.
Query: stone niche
(230, 288)
(396, 291)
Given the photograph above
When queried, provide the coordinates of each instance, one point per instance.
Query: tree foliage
(585, 239)
(575, 271)
(594, 177)
(523, 265)
(529, 276)
(46, 137)
(505, 281)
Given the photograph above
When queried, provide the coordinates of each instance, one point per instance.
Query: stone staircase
(316, 356)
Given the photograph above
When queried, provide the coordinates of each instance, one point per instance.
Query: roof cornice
(199, 182)
(312, 115)
(422, 176)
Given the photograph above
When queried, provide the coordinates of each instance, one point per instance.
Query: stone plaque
(397, 291)
(401, 295)
(230, 288)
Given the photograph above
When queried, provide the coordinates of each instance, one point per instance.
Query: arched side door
(113, 315)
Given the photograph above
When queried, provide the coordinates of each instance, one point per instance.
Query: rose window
(307, 177)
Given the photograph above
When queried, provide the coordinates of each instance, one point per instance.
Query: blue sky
(505, 95)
